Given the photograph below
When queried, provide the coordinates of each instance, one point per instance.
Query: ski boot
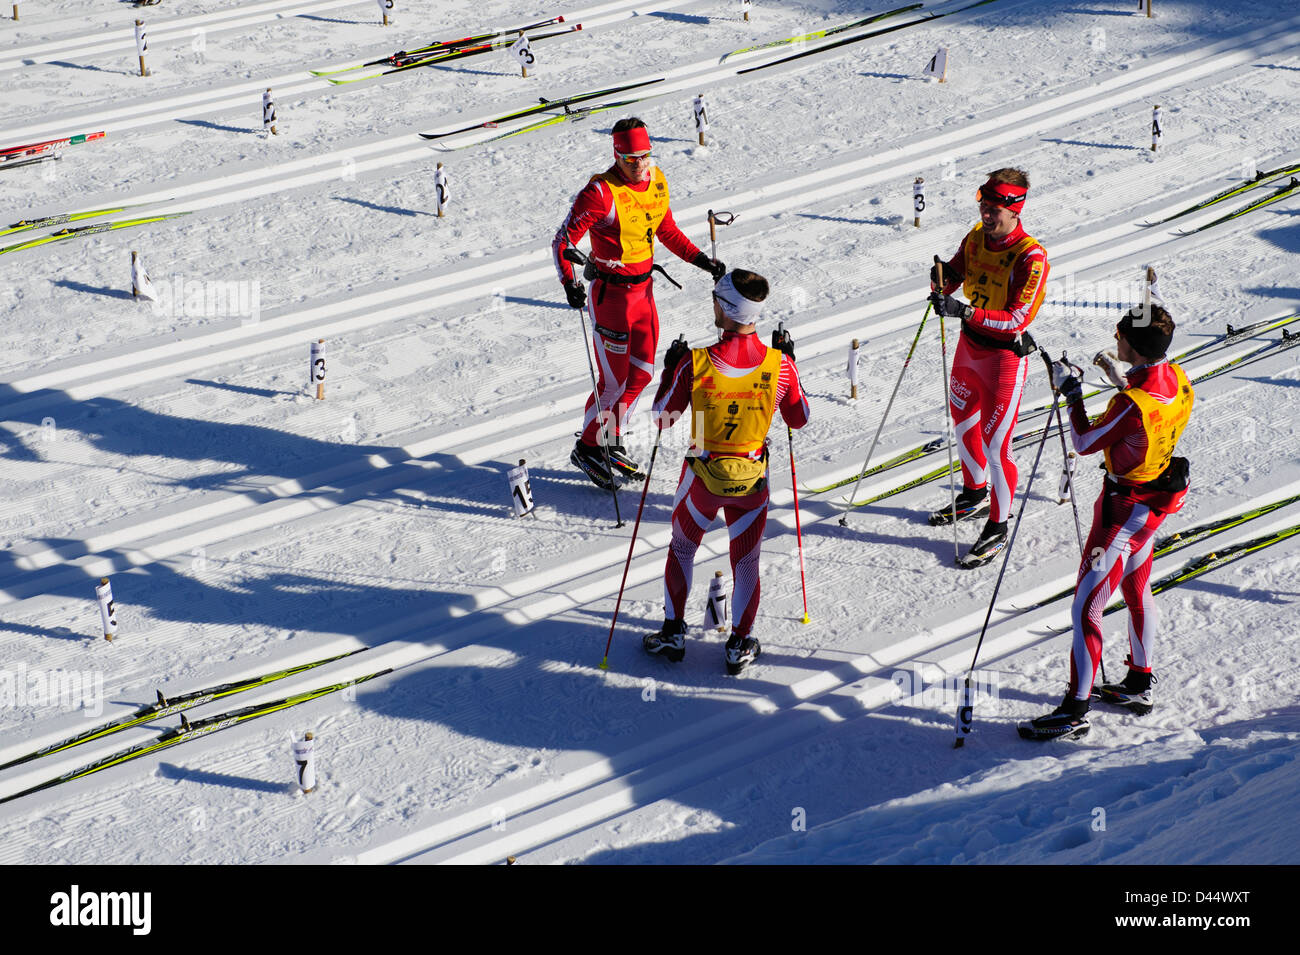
(991, 542)
(1133, 693)
(1067, 721)
(741, 651)
(590, 460)
(669, 642)
(971, 502)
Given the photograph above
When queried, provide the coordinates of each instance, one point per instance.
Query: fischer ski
(169, 706)
(1203, 565)
(393, 59)
(1262, 178)
(542, 107)
(85, 230)
(1277, 196)
(188, 731)
(865, 36)
(822, 34)
(24, 225)
(1179, 540)
(569, 115)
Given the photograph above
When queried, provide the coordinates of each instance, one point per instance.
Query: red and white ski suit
(1126, 516)
(1005, 281)
(695, 506)
(621, 301)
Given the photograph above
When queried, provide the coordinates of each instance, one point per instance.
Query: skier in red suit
(1003, 273)
(733, 388)
(1144, 483)
(624, 209)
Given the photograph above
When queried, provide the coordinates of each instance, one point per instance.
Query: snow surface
(248, 527)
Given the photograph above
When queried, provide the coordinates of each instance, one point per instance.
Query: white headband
(743, 311)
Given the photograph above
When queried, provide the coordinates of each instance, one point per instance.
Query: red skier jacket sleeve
(593, 204)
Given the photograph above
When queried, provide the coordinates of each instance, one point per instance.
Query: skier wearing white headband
(734, 388)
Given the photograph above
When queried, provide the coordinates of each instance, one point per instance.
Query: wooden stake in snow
(715, 611)
(141, 286)
(938, 65)
(384, 7)
(268, 114)
(523, 54)
(853, 369)
(107, 609)
(918, 200)
(440, 186)
(317, 371)
(304, 758)
(701, 117)
(1156, 131)
(15, 12)
(746, 6)
(521, 490)
(1148, 7)
(141, 45)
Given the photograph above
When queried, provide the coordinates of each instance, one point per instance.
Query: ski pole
(798, 531)
(947, 419)
(1069, 474)
(966, 712)
(777, 337)
(716, 219)
(844, 518)
(604, 663)
(573, 255)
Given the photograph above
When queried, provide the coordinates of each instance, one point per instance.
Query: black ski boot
(971, 502)
(623, 465)
(991, 542)
(1133, 693)
(590, 460)
(741, 652)
(669, 642)
(1067, 721)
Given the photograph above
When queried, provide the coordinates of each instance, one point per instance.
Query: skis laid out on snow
(441, 46)
(1276, 196)
(1202, 565)
(1183, 539)
(412, 61)
(85, 230)
(170, 706)
(12, 156)
(1262, 178)
(569, 115)
(928, 18)
(1218, 343)
(24, 225)
(822, 34)
(188, 731)
(542, 107)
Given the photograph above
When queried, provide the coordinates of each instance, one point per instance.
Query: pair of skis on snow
(187, 731)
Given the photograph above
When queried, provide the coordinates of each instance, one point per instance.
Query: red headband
(1003, 194)
(635, 140)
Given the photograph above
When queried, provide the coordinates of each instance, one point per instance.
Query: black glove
(947, 305)
(782, 341)
(712, 266)
(950, 275)
(675, 352)
(576, 293)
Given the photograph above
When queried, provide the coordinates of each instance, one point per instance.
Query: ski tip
(560, 19)
(578, 27)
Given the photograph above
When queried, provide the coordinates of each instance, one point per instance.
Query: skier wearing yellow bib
(1144, 483)
(733, 388)
(624, 210)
